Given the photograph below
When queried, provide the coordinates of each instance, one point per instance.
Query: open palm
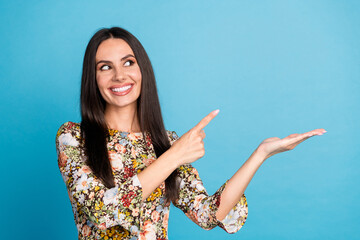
(274, 145)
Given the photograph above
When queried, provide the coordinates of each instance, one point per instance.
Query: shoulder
(68, 127)
(68, 130)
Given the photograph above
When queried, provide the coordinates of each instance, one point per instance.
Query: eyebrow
(107, 61)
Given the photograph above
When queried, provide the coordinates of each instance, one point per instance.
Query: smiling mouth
(120, 91)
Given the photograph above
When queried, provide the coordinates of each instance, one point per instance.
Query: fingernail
(217, 111)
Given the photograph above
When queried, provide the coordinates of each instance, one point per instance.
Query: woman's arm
(237, 184)
(201, 207)
(190, 147)
(187, 149)
(240, 180)
(156, 173)
(102, 206)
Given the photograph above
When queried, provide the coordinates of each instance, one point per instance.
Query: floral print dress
(119, 212)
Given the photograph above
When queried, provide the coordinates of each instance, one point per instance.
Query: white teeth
(121, 89)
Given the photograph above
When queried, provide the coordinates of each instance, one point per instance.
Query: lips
(121, 90)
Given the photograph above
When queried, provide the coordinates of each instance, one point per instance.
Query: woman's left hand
(274, 145)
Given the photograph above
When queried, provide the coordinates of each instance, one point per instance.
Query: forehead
(113, 48)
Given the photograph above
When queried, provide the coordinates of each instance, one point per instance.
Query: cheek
(136, 75)
(101, 81)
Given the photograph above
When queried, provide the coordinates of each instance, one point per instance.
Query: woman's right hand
(190, 146)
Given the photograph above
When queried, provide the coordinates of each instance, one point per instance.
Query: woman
(122, 168)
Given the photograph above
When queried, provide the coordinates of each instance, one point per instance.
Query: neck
(122, 119)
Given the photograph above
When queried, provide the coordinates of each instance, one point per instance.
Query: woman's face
(118, 74)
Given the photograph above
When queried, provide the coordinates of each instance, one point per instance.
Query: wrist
(171, 158)
(260, 155)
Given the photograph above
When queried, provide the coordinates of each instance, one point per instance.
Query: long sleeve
(201, 207)
(104, 207)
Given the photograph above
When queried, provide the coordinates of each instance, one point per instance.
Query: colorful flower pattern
(119, 212)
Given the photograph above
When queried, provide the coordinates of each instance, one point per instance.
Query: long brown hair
(93, 126)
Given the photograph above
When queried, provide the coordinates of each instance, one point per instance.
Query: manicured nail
(217, 111)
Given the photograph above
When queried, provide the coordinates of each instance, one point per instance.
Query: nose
(119, 74)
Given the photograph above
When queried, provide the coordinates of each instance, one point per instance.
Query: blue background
(272, 68)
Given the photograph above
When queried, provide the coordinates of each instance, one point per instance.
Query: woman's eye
(105, 67)
(129, 63)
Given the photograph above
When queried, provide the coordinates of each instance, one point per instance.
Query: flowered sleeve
(104, 207)
(201, 208)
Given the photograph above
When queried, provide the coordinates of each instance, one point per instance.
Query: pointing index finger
(205, 121)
